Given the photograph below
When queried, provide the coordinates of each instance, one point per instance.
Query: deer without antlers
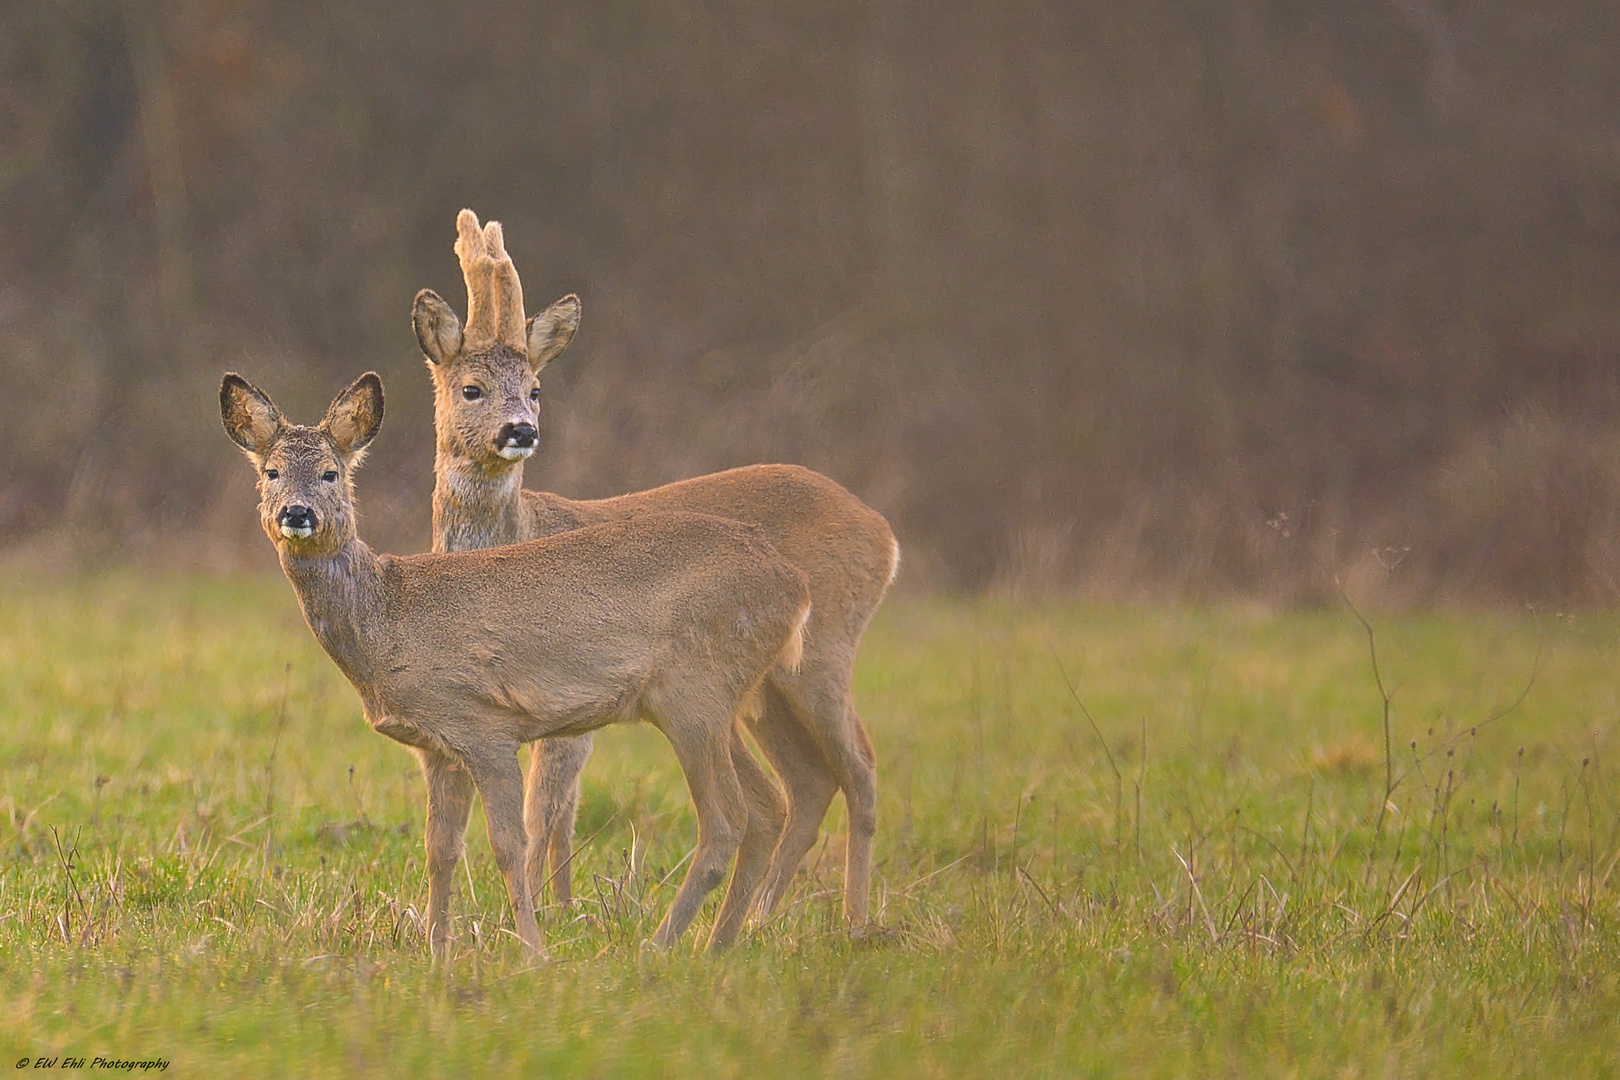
(670, 618)
(486, 405)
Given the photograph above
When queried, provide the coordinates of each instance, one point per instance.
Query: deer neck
(474, 507)
(342, 599)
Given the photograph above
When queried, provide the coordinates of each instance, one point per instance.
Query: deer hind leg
(449, 802)
(819, 698)
(499, 779)
(857, 768)
(809, 784)
(764, 829)
(702, 746)
(550, 805)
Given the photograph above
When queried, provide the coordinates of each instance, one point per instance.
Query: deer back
(845, 548)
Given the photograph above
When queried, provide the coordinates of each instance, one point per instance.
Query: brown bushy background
(1202, 297)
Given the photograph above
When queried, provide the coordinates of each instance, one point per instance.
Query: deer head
(486, 371)
(306, 486)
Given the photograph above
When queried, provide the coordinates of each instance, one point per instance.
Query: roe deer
(671, 618)
(486, 404)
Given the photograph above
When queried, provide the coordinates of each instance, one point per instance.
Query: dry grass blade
(1198, 894)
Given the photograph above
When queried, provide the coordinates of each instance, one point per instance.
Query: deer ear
(355, 415)
(552, 330)
(251, 418)
(438, 330)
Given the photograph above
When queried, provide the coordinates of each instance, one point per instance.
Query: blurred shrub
(1212, 297)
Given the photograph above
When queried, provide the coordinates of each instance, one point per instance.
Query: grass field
(205, 856)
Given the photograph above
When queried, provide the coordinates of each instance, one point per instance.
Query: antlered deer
(486, 404)
(670, 618)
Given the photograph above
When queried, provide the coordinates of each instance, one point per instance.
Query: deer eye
(271, 474)
(330, 476)
(534, 394)
(471, 393)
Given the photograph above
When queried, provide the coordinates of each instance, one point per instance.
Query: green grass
(206, 856)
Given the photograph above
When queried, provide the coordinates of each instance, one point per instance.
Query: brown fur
(670, 618)
(808, 726)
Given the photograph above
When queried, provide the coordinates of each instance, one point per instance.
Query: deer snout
(296, 521)
(516, 440)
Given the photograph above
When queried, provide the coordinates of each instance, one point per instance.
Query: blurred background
(1204, 298)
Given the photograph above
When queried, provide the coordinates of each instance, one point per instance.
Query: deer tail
(793, 650)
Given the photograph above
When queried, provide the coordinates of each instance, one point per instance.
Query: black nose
(521, 435)
(296, 517)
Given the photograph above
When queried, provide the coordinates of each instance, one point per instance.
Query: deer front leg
(449, 801)
(499, 779)
(550, 805)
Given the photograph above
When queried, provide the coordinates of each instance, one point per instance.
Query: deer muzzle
(296, 522)
(516, 441)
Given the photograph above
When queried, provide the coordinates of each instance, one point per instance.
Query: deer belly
(574, 714)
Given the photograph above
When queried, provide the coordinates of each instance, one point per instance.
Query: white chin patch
(297, 532)
(516, 453)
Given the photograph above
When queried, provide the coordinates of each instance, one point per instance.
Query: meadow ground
(205, 856)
